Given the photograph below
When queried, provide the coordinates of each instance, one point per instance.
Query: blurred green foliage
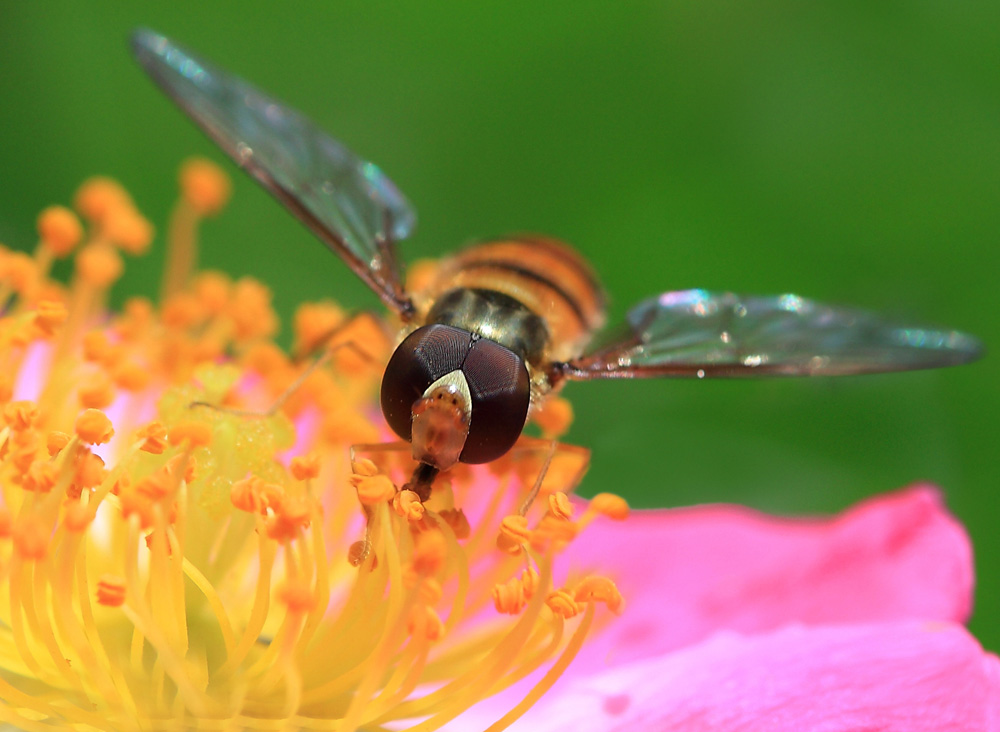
(848, 151)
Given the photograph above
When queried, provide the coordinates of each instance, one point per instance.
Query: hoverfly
(508, 322)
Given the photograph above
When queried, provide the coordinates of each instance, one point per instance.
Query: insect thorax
(496, 316)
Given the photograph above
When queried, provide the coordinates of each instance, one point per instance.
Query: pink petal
(688, 573)
(908, 676)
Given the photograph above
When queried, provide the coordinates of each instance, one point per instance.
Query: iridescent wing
(694, 333)
(346, 201)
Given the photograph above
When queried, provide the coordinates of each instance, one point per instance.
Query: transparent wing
(694, 333)
(346, 201)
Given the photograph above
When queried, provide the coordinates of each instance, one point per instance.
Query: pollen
(554, 417)
(200, 531)
(297, 596)
(610, 505)
(373, 489)
(56, 441)
(96, 391)
(60, 230)
(407, 504)
(204, 186)
(94, 427)
(98, 197)
(99, 264)
(111, 591)
(514, 532)
(50, 315)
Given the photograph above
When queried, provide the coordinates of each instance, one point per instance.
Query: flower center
(170, 565)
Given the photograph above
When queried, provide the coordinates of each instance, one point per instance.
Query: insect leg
(319, 360)
(572, 461)
(378, 452)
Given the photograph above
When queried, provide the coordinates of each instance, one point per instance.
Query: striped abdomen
(546, 276)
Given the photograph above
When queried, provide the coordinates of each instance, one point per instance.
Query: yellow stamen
(171, 566)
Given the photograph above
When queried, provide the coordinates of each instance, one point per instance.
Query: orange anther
(305, 467)
(96, 392)
(250, 310)
(154, 438)
(20, 271)
(50, 315)
(131, 376)
(6, 522)
(456, 519)
(136, 320)
(364, 467)
(373, 489)
(297, 596)
(136, 503)
(181, 462)
(195, 434)
(599, 589)
(129, 229)
(94, 427)
(204, 186)
(430, 550)
(20, 415)
(293, 515)
(245, 495)
(31, 539)
(212, 291)
(610, 505)
(360, 346)
(529, 580)
(111, 591)
(96, 346)
(154, 486)
(562, 603)
(89, 470)
(98, 197)
(407, 504)
(99, 265)
(59, 229)
(514, 532)
(424, 622)
(55, 442)
(313, 323)
(41, 477)
(554, 417)
(295, 509)
(553, 532)
(509, 597)
(22, 457)
(78, 517)
(123, 483)
(266, 359)
(182, 310)
(560, 506)
(429, 590)
(272, 496)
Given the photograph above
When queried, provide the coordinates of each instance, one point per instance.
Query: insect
(508, 322)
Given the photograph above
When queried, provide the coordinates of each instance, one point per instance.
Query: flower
(177, 556)
(739, 621)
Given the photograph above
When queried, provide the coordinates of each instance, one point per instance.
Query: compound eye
(422, 358)
(501, 392)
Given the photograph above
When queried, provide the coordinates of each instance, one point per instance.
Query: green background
(848, 151)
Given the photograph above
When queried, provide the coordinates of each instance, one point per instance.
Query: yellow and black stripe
(545, 275)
